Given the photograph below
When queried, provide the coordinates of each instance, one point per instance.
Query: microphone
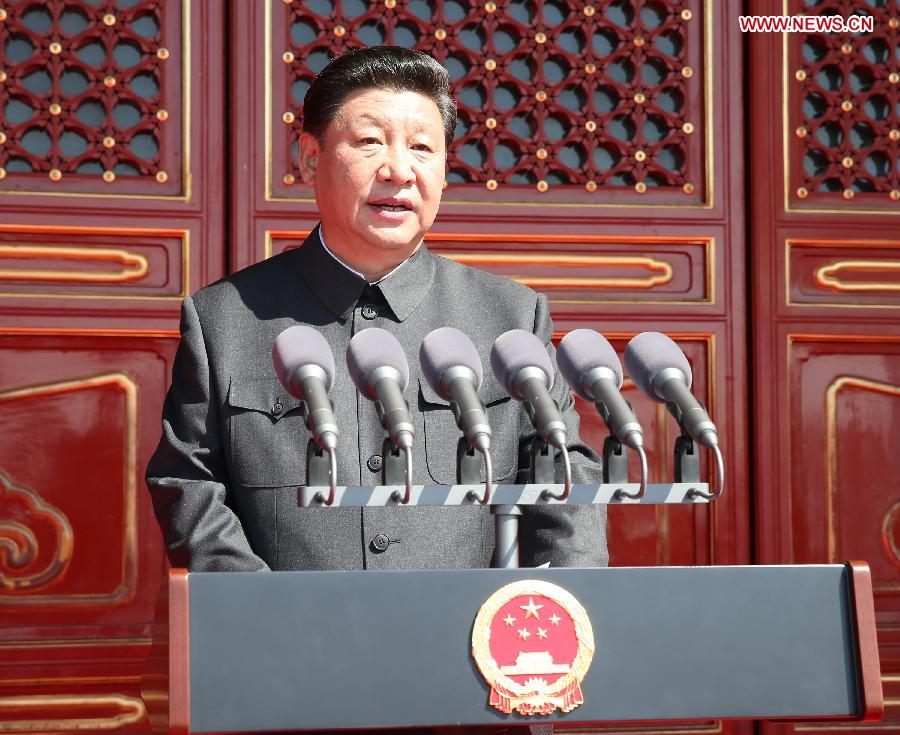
(452, 367)
(592, 369)
(659, 368)
(380, 371)
(305, 366)
(524, 369)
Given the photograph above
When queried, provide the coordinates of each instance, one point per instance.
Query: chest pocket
(266, 433)
(442, 434)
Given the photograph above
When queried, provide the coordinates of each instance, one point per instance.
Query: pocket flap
(261, 394)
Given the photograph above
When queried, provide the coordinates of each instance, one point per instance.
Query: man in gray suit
(377, 124)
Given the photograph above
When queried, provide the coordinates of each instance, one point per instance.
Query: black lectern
(295, 651)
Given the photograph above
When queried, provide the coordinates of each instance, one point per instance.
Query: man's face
(378, 176)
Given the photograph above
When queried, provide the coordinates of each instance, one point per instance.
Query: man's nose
(397, 165)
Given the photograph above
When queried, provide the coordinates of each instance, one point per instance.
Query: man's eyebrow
(417, 127)
(369, 116)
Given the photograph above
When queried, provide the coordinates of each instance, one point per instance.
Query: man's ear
(309, 154)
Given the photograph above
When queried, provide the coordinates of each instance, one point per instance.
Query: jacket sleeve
(187, 475)
(565, 536)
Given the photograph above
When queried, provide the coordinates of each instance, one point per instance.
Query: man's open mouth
(392, 206)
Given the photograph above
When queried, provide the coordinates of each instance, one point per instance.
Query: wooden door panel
(111, 211)
(79, 518)
(824, 266)
(844, 500)
(103, 264)
(836, 274)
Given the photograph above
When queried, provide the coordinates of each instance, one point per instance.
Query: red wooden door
(825, 234)
(111, 210)
(599, 157)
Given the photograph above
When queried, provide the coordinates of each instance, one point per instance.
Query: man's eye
(369, 141)
(422, 147)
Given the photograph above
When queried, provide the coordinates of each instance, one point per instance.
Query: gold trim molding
(130, 711)
(128, 583)
(45, 643)
(714, 728)
(825, 279)
(661, 272)
(134, 266)
(826, 275)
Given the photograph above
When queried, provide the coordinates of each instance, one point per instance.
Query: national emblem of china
(533, 643)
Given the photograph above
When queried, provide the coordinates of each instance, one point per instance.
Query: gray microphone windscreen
(648, 354)
(299, 346)
(582, 350)
(517, 349)
(374, 348)
(444, 348)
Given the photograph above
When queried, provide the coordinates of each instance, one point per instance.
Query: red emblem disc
(533, 643)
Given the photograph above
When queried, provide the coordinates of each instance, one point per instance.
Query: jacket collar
(339, 288)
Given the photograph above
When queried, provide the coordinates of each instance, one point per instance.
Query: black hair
(379, 67)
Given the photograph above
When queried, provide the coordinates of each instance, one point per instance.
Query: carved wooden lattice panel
(569, 100)
(90, 97)
(844, 111)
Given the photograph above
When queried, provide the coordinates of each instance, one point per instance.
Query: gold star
(531, 609)
(542, 633)
(509, 619)
(523, 633)
(555, 619)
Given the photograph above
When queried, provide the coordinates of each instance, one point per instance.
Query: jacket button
(374, 463)
(369, 312)
(277, 408)
(380, 543)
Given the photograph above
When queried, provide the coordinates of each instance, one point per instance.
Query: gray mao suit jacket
(225, 475)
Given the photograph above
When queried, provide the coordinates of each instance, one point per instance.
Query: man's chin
(394, 238)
